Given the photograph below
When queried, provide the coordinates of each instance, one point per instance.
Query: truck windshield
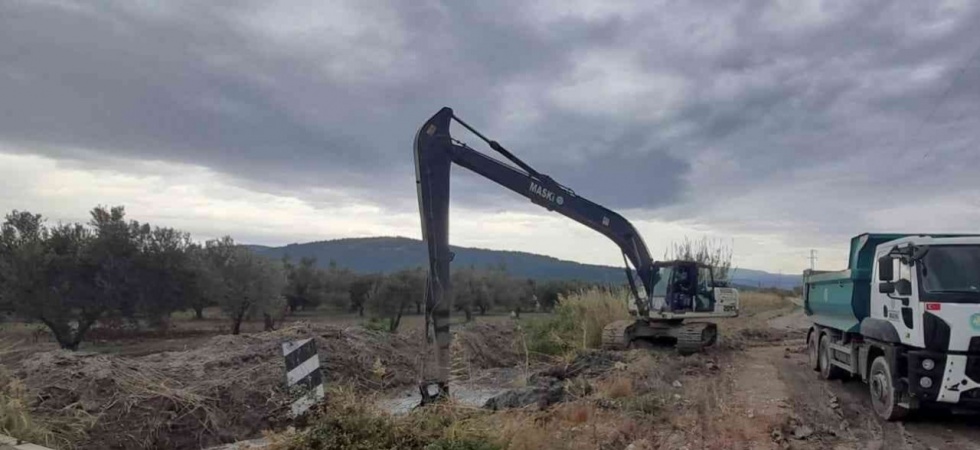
(951, 269)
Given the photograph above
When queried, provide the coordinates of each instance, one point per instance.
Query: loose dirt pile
(487, 345)
(229, 388)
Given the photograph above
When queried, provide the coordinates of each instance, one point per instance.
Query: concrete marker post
(303, 374)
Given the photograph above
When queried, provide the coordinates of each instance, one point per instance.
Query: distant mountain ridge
(389, 254)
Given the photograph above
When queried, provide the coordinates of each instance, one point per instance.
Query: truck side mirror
(886, 287)
(903, 287)
(885, 269)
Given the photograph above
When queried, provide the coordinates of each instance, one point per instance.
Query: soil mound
(229, 388)
(487, 345)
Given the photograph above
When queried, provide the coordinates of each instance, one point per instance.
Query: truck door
(900, 307)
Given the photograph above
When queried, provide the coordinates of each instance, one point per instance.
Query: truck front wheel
(884, 396)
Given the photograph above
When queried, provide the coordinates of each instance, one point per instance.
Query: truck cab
(904, 317)
(928, 290)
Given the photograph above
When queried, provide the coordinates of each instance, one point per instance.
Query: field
(196, 387)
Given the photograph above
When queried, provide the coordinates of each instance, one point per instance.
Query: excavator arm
(435, 153)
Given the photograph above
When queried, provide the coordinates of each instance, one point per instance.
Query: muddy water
(472, 392)
(405, 401)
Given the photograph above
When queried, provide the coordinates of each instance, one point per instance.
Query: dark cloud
(668, 110)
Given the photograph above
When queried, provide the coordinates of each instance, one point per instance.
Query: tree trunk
(236, 323)
(60, 334)
(483, 309)
(397, 320)
(429, 331)
(418, 308)
(469, 314)
(80, 333)
(63, 333)
(360, 310)
(270, 324)
(198, 312)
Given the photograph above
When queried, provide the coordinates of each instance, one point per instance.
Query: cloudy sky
(774, 126)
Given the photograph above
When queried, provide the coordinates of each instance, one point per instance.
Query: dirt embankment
(752, 391)
(782, 404)
(226, 389)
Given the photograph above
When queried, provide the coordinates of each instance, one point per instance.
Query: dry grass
(577, 414)
(350, 421)
(15, 418)
(593, 310)
(617, 387)
(754, 302)
(581, 425)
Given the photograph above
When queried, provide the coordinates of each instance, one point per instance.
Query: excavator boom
(435, 153)
(688, 289)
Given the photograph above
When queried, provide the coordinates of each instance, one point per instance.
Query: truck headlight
(928, 364)
(925, 382)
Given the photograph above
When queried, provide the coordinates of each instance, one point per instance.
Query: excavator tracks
(694, 337)
(617, 335)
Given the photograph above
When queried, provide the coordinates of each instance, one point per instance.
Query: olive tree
(247, 284)
(163, 273)
(389, 298)
(303, 287)
(54, 275)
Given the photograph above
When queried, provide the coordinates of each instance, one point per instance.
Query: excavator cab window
(706, 296)
(666, 278)
(683, 287)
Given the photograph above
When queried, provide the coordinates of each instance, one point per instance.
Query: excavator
(664, 294)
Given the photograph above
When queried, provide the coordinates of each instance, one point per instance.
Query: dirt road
(778, 388)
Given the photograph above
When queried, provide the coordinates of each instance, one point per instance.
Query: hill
(758, 278)
(388, 254)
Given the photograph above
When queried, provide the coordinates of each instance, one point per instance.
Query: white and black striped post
(303, 374)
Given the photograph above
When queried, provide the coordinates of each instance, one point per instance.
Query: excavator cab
(685, 286)
(682, 290)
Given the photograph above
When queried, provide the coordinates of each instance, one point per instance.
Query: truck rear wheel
(828, 371)
(813, 349)
(884, 396)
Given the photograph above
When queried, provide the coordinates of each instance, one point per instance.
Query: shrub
(377, 324)
(649, 403)
(754, 302)
(577, 322)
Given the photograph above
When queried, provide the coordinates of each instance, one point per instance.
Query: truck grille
(973, 368)
(972, 394)
(974, 344)
(935, 331)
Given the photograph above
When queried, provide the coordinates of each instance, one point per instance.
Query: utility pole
(812, 258)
